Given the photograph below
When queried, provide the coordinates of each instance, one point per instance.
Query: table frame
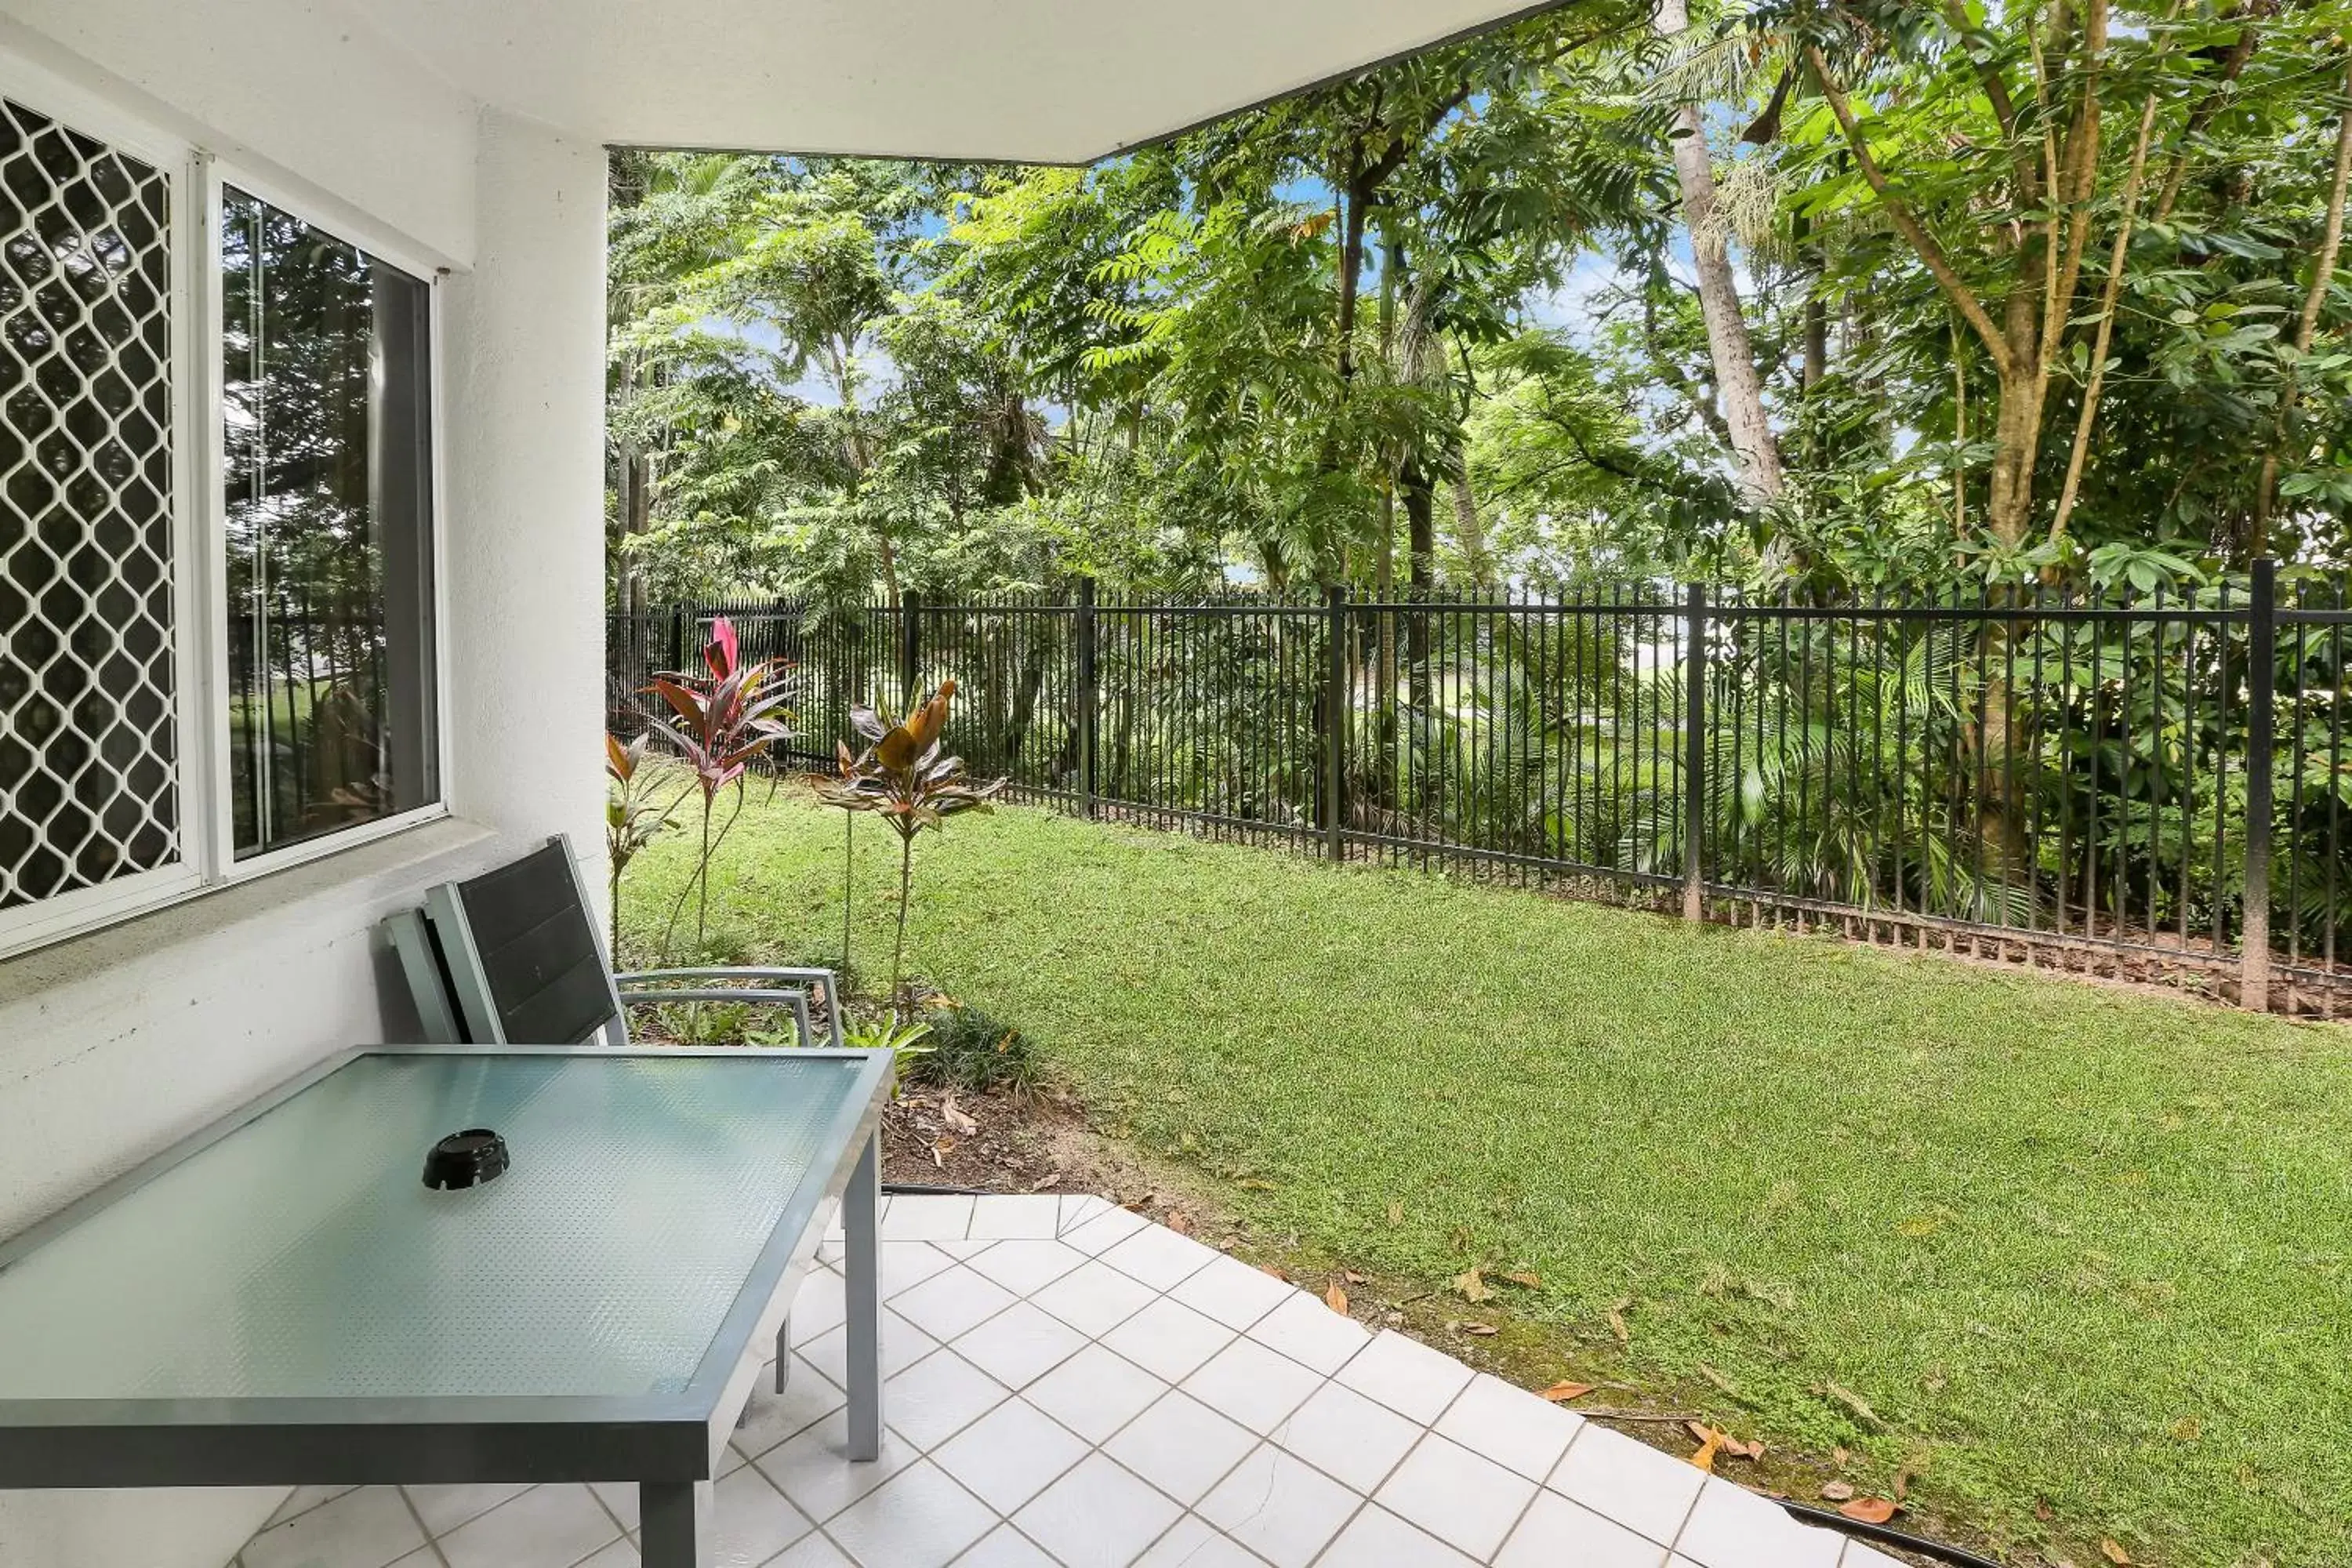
(670, 1444)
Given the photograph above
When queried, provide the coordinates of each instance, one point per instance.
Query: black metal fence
(2152, 785)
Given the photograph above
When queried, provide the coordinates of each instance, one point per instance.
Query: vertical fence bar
(1693, 749)
(1335, 750)
(1089, 696)
(911, 649)
(2262, 675)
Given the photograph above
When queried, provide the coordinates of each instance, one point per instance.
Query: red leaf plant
(725, 719)
(902, 778)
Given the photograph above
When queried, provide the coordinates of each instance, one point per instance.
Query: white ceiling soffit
(1023, 80)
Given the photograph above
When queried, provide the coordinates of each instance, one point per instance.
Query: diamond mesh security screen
(87, 748)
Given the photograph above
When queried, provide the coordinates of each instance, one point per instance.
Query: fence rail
(2150, 785)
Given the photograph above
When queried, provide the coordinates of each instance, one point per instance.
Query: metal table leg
(675, 1520)
(861, 1267)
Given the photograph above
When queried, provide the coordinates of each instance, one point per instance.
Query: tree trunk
(1741, 390)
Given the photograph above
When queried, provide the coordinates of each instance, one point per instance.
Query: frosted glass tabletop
(302, 1256)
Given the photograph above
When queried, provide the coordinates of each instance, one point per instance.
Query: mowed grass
(2073, 1246)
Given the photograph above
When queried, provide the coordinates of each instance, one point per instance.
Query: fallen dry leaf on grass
(1481, 1331)
(1396, 1214)
(1704, 1458)
(1472, 1286)
(2115, 1554)
(954, 1116)
(1837, 1491)
(1561, 1392)
(1617, 1322)
(1853, 1404)
(1869, 1510)
(1336, 1297)
(1525, 1278)
(1270, 1269)
(1181, 1223)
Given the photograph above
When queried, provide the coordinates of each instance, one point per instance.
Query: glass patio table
(281, 1300)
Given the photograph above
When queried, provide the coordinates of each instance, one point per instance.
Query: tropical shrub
(725, 719)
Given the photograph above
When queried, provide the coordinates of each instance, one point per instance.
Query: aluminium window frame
(370, 239)
(204, 831)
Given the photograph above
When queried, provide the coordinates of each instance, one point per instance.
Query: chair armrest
(823, 975)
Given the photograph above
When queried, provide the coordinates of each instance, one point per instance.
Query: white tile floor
(1071, 1385)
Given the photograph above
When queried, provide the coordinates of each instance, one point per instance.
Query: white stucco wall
(115, 1044)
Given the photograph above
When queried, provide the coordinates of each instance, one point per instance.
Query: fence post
(910, 604)
(1335, 720)
(1089, 696)
(2262, 679)
(1694, 608)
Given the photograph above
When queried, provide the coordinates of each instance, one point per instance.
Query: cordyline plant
(633, 819)
(726, 718)
(902, 778)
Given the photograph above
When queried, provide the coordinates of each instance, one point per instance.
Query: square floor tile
(938, 1397)
(1346, 1435)
(620, 1555)
(1094, 1392)
(1093, 1298)
(546, 1527)
(1097, 1516)
(815, 1472)
(620, 1501)
(918, 1518)
(1467, 1502)
(1024, 1268)
(363, 1529)
(1169, 1340)
(1556, 1531)
(1857, 1556)
(1106, 1229)
(903, 1345)
(1005, 1547)
(814, 1552)
(1010, 1455)
(1232, 1292)
(1510, 1426)
(444, 1509)
(1079, 1207)
(1311, 1333)
(1649, 1492)
(906, 1264)
(809, 1396)
(1731, 1527)
(927, 1219)
(1016, 1215)
(1252, 1385)
(817, 1306)
(1278, 1507)
(949, 1302)
(1406, 1375)
(1020, 1345)
(1376, 1538)
(750, 1522)
(1159, 1256)
(1182, 1446)
(1194, 1542)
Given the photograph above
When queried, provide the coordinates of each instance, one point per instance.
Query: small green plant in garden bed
(972, 1051)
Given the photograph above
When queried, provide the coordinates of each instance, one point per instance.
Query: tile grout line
(433, 1541)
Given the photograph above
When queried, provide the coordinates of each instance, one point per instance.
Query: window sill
(383, 870)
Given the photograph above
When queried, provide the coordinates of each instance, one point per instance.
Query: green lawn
(2070, 1244)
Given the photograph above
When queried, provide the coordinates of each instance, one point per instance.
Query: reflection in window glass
(326, 394)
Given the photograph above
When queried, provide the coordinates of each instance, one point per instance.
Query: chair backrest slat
(536, 949)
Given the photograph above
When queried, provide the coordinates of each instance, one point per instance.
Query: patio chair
(514, 956)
